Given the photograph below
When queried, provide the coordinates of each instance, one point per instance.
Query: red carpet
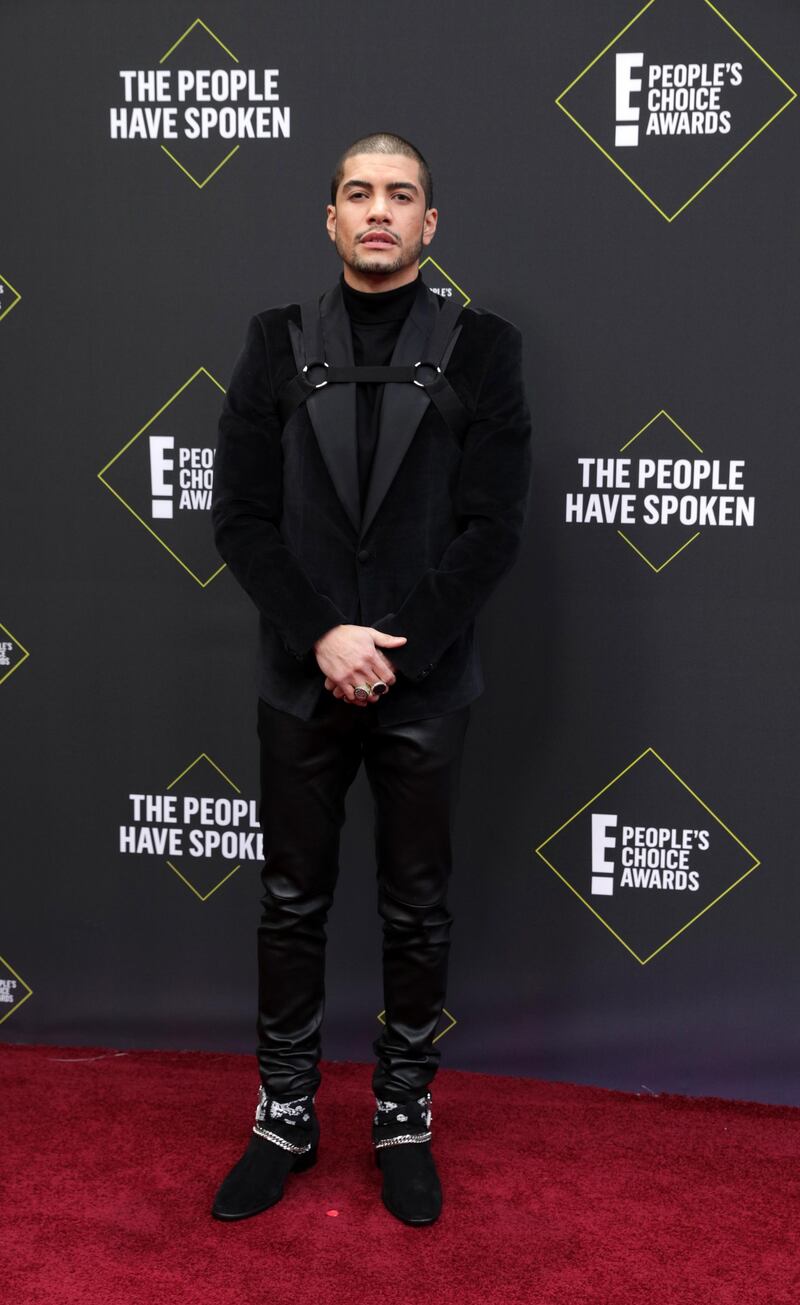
(553, 1194)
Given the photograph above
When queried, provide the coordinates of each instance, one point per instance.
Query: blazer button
(364, 555)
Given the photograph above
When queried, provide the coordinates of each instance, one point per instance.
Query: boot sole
(412, 1223)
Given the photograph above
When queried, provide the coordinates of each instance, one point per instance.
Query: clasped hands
(351, 654)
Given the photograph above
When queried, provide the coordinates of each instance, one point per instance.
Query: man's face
(379, 223)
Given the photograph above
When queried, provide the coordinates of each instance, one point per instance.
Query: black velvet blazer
(442, 521)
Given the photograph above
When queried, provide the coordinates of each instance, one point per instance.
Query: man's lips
(378, 240)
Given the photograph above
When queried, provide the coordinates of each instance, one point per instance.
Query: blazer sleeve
(246, 505)
(491, 499)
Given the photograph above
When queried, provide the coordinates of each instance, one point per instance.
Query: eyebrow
(391, 185)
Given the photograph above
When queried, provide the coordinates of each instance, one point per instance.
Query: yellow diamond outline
(211, 174)
(203, 897)
(714, 175)
(191, 28)
(19, 979)
(661, 413)
(9, 307)
(450, 1016)
(100, 475)
(467, 298)
(16, 666)
(164, 57)
(588, 905)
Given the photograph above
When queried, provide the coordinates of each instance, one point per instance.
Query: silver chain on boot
(419, 1112)
(289, 1112)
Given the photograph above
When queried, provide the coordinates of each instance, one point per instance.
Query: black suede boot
(401, 1137)
(285, 1139)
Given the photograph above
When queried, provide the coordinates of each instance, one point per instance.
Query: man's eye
(400, 194)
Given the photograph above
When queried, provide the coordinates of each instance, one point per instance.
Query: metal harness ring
(422, 384)
(316, 364)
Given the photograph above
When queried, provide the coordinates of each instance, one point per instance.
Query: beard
(360, 260)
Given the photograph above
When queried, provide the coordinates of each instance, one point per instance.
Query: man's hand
(350, 655)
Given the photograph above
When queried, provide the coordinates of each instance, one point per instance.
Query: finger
(382, 669)
(346, 694)
(376, 669)
(389, 678)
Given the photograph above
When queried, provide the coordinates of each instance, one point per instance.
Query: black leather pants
(307, 768)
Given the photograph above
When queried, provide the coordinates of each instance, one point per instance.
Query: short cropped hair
(384, 142)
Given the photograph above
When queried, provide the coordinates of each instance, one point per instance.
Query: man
(369, 515)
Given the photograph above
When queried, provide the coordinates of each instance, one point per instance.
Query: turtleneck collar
(379, 305)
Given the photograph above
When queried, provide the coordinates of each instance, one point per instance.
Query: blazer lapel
(403, 404)
(332, 409)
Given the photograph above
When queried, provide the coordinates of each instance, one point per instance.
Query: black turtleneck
(375, 322)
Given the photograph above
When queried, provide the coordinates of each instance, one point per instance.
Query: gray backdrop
(625, 887)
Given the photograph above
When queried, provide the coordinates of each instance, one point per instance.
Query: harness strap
(367, 374)
(446, 318)
(449, 406)
(311, 319)
(426, 373)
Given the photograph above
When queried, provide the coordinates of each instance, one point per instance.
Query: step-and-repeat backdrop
(620, 182)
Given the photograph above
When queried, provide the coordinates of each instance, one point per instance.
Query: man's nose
(379, 210)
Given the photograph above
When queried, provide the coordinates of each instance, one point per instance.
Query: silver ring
(361, 691)
(322, 364)
(421, 384)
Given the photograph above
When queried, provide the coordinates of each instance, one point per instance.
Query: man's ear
(330, 220)
(429, 225)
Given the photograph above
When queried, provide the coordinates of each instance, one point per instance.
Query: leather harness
(431, 378)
